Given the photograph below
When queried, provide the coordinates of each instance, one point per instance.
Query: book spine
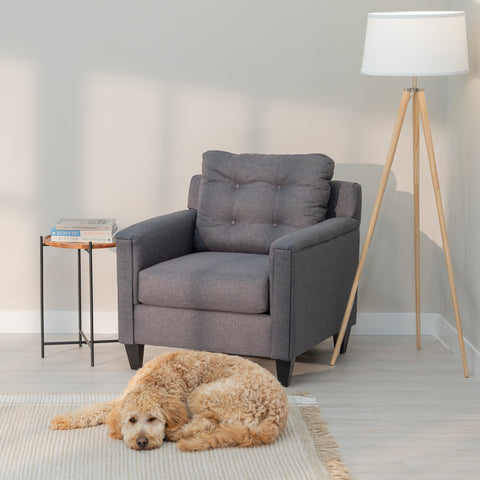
(60, 226)
(80, 233)
(82, 239)
(76, 224)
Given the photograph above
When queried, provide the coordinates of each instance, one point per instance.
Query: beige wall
(107, 107)
(461, 167)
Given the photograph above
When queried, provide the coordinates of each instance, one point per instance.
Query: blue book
(57, 232)
(68, 233)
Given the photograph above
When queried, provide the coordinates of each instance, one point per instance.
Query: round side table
(82, 338)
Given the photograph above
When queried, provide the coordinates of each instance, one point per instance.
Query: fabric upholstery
(311, 272)
(142, 245)
(247, 201)
(193, 191)
(226, 332)
(345, 200)
(221, 281)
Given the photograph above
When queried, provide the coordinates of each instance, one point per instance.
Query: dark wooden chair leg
(135, 355)
(284, 371)
(344, 346)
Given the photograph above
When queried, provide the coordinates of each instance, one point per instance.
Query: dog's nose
(142, 442)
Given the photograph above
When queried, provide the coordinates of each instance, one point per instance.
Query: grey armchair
(260, 264)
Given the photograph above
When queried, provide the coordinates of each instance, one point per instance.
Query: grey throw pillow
(246, 201)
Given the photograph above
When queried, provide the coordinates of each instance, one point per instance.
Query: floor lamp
(413, 44)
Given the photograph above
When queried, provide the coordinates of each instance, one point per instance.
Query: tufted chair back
(247, 201)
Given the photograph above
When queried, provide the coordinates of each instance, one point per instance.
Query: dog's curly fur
(200, 400)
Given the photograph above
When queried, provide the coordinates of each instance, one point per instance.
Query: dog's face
(142, 429)
(139, 420)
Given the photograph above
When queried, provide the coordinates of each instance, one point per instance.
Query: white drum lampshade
(415, 44)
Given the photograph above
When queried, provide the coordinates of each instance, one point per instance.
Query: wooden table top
(76, 245)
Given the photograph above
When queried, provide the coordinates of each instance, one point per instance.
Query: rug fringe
(326, 446)
(302, 394)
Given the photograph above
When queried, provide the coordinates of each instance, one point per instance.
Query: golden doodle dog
(200, 400)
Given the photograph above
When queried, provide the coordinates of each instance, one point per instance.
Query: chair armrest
(142, 245)
(311, 274)
(158, 239)
(316, 234)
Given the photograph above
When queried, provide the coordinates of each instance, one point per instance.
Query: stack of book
(95, 230)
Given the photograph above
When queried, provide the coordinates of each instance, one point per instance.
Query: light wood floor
(396, 413)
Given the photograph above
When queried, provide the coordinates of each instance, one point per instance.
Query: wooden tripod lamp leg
(373, 220)
(416, 211)
(441, 218)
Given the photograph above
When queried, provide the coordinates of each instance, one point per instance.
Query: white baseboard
(394, 324)
(106, 322)
(367, 324)
(448, 336)
(56, 322)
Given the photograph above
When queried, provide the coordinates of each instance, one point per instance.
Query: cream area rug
(30, 450)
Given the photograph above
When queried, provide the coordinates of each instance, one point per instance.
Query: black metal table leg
(80, 340)
(42, 306)
(90, 269)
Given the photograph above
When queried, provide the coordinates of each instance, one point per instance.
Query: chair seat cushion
(221, 281)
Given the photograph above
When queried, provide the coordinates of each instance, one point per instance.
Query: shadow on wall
(387, 283)
(103, 73)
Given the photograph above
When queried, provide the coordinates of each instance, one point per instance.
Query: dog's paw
(193, 445)
(60, 423)
(176, 435)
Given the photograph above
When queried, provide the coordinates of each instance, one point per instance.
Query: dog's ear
(175, 412)
(114, 422)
